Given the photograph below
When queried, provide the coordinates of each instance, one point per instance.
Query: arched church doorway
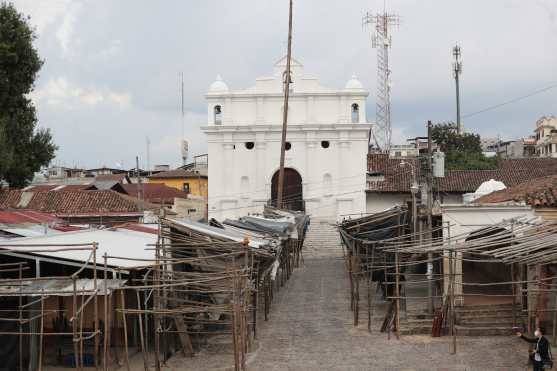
(292, 192)
(485, 282)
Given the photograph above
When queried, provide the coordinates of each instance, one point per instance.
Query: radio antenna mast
(183, 144)
(381, 40)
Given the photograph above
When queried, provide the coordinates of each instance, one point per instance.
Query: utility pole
(382, 42)
(287, 82)
(139, 189)
(457, 70)
(429, 180)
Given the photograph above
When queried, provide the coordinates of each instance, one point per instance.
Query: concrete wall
(192, 208)
(376, 202)
(198, 186)
(465, 219)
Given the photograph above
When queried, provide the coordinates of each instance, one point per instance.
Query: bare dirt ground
(310, 328)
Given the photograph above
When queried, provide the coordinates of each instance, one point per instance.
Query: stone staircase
(322, 239)
(487, 320)
(416, 323)
(471, 320)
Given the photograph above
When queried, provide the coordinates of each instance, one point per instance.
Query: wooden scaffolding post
(513, 293)
(41, 332)
(234, 317)
(452, 275)
(555, 321)
(141, 339)
(397, 293)
(123, 303)
(156, 300)
(370, 288)
(96, 306)
(74, 324)
(82, 309)
(20, 299)
(105, 331)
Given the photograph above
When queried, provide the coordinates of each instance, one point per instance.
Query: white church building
(327, 143)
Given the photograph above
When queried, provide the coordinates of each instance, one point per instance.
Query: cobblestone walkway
(310, 328)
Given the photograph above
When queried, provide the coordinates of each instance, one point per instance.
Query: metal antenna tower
(457, 70)
(382, 41)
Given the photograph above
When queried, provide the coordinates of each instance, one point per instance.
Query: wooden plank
(185, 340)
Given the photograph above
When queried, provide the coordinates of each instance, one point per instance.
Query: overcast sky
(110, 78)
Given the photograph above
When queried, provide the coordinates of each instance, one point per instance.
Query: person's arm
(526, 339)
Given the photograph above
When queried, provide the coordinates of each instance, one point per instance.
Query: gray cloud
(111, 73)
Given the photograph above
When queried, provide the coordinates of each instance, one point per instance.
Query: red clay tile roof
(177, 173)
(156, 193)
(58, 187)
(535, 192)
(510, 172)
(64, 203)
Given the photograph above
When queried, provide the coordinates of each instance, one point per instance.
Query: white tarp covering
(485, 188)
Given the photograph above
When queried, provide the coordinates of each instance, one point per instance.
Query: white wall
(377, 202)
(465, 219)
(334, 178)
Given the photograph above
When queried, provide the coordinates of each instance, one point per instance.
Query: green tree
(24, 148)
(462, 151)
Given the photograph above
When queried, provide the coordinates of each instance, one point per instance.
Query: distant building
(403, 150)
(326, 145)
(190, 182)
(105, 171)
(546, 136)
(488, 144)
(199, 164)
(521, 148)
(61, 175)
(389, 181)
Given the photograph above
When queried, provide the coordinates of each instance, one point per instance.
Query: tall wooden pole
(95, 306)
(285, 112)
(429, 217)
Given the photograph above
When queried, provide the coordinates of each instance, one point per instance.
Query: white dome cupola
(218, 86)
(354, 84)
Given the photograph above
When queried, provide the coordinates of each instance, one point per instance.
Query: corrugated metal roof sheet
(233, 235)
(27, 216)
(59, 287)
(115, 242)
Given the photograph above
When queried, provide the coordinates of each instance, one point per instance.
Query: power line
(553, 86)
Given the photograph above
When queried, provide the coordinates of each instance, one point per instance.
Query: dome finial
(354, 83)
(218, 86)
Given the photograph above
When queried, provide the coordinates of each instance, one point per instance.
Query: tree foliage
(24, 148)
(462, 151)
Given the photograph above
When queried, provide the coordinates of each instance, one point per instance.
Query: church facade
(327, 143)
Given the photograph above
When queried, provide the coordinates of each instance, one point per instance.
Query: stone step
(487, 312)
(490, 320)
(418, 314)
(484, 331)
(415, 330)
